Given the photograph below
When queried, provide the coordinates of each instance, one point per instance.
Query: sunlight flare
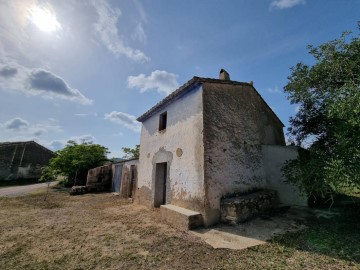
(44, 19)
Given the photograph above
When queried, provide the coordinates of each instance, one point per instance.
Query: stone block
(181, 218)
(78, 190)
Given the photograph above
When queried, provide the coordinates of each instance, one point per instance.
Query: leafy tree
(74, 161)
(131, 152)
(327, 123)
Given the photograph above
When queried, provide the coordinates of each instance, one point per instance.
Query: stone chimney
(224, 75)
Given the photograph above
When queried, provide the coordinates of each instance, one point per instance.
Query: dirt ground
(101, 231)
(23, 190)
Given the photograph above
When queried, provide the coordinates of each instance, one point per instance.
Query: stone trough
(242, 208)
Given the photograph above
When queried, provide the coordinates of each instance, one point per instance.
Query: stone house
(208, 140)
(22, 160)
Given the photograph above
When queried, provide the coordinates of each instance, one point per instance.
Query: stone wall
(100, 178)
(103, 178)
(236, 123)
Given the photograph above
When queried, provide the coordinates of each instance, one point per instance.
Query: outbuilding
(209, 140)
(22, 160)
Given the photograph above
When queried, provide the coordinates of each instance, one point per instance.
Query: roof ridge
(26, 142)
(182, 90)
(168, 98)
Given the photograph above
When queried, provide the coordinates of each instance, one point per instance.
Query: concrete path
(24, 190)
(257, 231)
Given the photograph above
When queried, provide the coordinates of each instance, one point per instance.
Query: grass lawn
(101, 231)
(18, 182)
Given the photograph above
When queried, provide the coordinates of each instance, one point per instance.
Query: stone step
(181, 218)
(242, 208)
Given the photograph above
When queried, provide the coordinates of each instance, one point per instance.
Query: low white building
(209, 139)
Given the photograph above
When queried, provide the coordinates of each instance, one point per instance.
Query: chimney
(224, 75)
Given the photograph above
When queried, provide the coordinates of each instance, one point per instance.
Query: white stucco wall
(183, 136)
(274, 157)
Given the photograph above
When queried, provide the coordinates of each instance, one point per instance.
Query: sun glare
(44, 19)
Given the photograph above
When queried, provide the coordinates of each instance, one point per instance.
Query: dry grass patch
(101, 231)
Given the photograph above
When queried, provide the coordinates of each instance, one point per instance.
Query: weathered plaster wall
(181, 146)
(274, 157)
(236, 123)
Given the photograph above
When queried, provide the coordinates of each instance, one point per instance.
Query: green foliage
(328, 120)
(74, 161)
(48, 174)
(131, 152)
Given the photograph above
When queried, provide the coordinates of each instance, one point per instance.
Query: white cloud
(13, 27)
(59, 144)
(139, 33)
(19, 127)
(124, 119)
(38, 82)
(16, 124)
(160, 80)
(22, 39)
(274, 90)
(53, 119)
(141, 10)
(106, 30)
(85, 137)
(86, 114)
(119, 134)
(55, 145)
(283, 4)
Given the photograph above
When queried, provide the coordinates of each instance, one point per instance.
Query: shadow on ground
(256, 231)
(332, 233)
(337, 237)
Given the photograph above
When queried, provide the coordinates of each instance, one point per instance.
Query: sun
(44, 19)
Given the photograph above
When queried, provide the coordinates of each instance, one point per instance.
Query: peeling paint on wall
(183, 131)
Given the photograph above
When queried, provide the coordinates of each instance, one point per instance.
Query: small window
(162, 121)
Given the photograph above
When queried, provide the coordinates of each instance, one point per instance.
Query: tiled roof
(190, 85)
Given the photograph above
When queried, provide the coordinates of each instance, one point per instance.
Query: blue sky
(87, 69)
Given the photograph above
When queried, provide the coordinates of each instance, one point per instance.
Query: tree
(74, 161)
(327, 123)
(131, 152)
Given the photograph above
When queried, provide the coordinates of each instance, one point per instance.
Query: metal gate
(116, 181)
